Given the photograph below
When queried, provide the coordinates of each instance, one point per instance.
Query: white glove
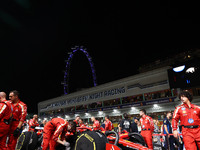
(67, 144)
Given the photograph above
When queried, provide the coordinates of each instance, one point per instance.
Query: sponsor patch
(190, 120)
(184, 111)
(183, 108)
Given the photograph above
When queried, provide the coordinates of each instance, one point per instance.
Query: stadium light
(179, 69)
(190, 70)
(116, 111)
(156, 106)
(100, 112)
(132, 108)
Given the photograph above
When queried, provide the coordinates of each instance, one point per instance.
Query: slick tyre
(91, 140)
(27, 141)
(137, 138)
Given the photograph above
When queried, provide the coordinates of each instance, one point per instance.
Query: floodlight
(179, 69)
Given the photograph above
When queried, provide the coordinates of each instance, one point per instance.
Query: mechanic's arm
(20, 124)
(94, 126)
(106, 126)
(120, 128)
(2, 110)
(23, 118)
(175, 120)
(65, 143)
(151, 125)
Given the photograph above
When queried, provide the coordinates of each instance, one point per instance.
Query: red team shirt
(5, 119)
(97, 125)
(19, 114)
(19, 111)
(82, 125)
(5, 110)
(187, 116)
(58, 126)
(32, 124)
(147, 123)
(108, 125)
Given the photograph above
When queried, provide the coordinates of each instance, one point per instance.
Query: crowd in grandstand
(180, 130)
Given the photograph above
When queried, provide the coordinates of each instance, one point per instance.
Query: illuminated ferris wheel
(68, 65)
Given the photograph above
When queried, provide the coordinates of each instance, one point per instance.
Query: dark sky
(120, 36)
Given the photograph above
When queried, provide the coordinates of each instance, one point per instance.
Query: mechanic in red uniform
(81, 124)
(5, 119)
(53, 129)
(77, 121)
(108, 124)
(147, 128)
(19, 116)
(96, 124)
(189, 116)
(33, 123)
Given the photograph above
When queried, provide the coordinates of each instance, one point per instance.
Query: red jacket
(82, 125)
(5, 111)
(147, 123)
(58, 126)
(32, 124)
(108, 125)
(97, 125)
(187, 116)
(19, 111)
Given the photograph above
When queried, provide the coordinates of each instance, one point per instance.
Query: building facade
(149, 90)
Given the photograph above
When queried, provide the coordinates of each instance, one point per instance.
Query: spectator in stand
(19, 116)
(134, 125)
(125, 124)
(5, 119)
(33, 123)
(108, 124)
(96, 124)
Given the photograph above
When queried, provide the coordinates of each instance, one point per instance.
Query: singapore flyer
(68, 66)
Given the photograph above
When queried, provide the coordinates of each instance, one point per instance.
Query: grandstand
(149, 90)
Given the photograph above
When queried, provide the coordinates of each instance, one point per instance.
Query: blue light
(188, 81)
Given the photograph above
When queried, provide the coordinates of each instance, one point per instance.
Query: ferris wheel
(68, 65)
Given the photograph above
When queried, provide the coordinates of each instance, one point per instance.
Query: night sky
(120, 36)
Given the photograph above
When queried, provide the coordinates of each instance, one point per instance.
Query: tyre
(137, 138)
(91, 140)
(27, 141)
